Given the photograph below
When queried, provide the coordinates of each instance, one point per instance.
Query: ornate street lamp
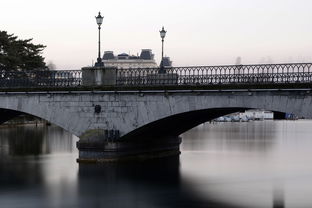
(99, 21)
(162, 35)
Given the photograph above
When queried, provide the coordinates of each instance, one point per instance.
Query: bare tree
(51, 65)
(238, 61)
(238, 64)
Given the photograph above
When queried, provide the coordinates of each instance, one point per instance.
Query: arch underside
(171, 126)
(175, 125)
(6, 115)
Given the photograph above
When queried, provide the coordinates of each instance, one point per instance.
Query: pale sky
(199, 32)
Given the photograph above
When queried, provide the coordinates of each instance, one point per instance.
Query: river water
(253, 164)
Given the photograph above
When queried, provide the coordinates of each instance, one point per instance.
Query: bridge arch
(106, 121)
(152, 114)
(178, 113)
(12, 106)
(177, 124)
(8, 114)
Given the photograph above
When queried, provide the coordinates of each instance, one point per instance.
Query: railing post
(99, 76)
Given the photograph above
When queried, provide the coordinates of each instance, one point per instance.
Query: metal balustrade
(40, 79)
(218, 75)
(173, 76)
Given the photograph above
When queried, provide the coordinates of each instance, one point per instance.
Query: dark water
(254, 164)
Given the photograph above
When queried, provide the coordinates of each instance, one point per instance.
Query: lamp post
(99, 21)
(162, 35)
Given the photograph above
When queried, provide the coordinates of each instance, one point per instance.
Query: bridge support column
(94, 152)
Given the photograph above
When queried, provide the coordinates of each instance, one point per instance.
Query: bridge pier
(114, 151)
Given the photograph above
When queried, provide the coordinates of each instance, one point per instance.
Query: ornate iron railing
(218, 75)
(40, 78)
(173, 76)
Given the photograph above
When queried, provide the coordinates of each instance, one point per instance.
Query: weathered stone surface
(126, 120)
(126, 112)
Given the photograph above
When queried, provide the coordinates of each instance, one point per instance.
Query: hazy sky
(200, 32)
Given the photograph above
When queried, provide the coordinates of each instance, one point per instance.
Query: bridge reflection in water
(155, 183)
(257, 162)
(37, 170)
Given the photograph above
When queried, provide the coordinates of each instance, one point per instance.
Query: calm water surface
(254, 164)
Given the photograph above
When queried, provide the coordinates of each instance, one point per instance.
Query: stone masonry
(127, 111)
(112, 115)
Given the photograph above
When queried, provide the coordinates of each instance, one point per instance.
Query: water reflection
(255, 164)
(39, 170)
(244, 172)
(247, 136)
(154, 183)
(278, 197)
(35, 162)
(140, 184)
(26, 141)
(32, 140)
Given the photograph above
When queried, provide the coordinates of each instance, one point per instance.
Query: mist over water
(253, 164)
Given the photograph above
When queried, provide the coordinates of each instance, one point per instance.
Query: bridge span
(115, 123)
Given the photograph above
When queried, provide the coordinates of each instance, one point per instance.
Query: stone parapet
(99, 76)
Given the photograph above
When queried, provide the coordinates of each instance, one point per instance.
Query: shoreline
(30, 123)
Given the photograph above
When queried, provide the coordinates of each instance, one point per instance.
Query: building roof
(167, 62)
(147, 54)
(108, 55)
(123, 54)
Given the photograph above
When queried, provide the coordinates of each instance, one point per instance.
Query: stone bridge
(115, 125)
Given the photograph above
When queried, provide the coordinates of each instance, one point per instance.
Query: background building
(124, 60)
(167, 62)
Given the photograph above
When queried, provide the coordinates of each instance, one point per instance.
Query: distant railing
(218, 75)
(173, 76)
(40, 79)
